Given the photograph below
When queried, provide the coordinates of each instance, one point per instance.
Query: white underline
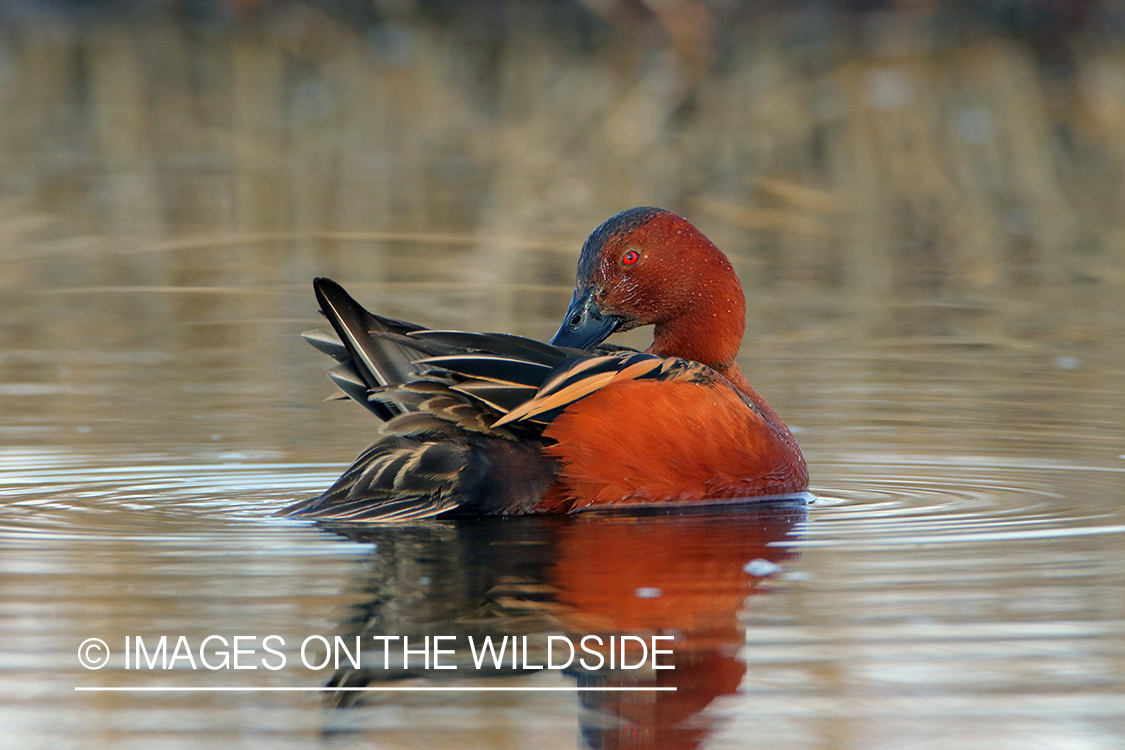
(403, 689)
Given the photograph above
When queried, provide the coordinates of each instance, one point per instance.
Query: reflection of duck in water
(686, 576)
(480, 424)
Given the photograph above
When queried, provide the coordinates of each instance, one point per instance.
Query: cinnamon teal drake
(497, 424)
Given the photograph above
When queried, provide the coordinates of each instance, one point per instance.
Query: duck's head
(648, 266)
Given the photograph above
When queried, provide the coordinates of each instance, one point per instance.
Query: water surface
(967, 598)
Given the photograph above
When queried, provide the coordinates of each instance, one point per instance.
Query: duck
(484, 424)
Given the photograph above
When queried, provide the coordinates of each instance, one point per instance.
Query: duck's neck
(707, 323)
(709, 328)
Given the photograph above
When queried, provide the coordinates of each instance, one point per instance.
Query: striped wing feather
(584, 376)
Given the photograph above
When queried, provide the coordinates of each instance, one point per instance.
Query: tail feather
(377, 362)
(348, 380)
(328, 344)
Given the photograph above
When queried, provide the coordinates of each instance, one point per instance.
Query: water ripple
(61, 495)
(863, 500)
(894, 500)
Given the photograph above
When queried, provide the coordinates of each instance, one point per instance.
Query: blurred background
(173, 173)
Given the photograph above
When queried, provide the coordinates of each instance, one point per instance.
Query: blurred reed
(848, 156)
(869, 149)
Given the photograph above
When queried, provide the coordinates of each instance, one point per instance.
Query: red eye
(630, 257)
